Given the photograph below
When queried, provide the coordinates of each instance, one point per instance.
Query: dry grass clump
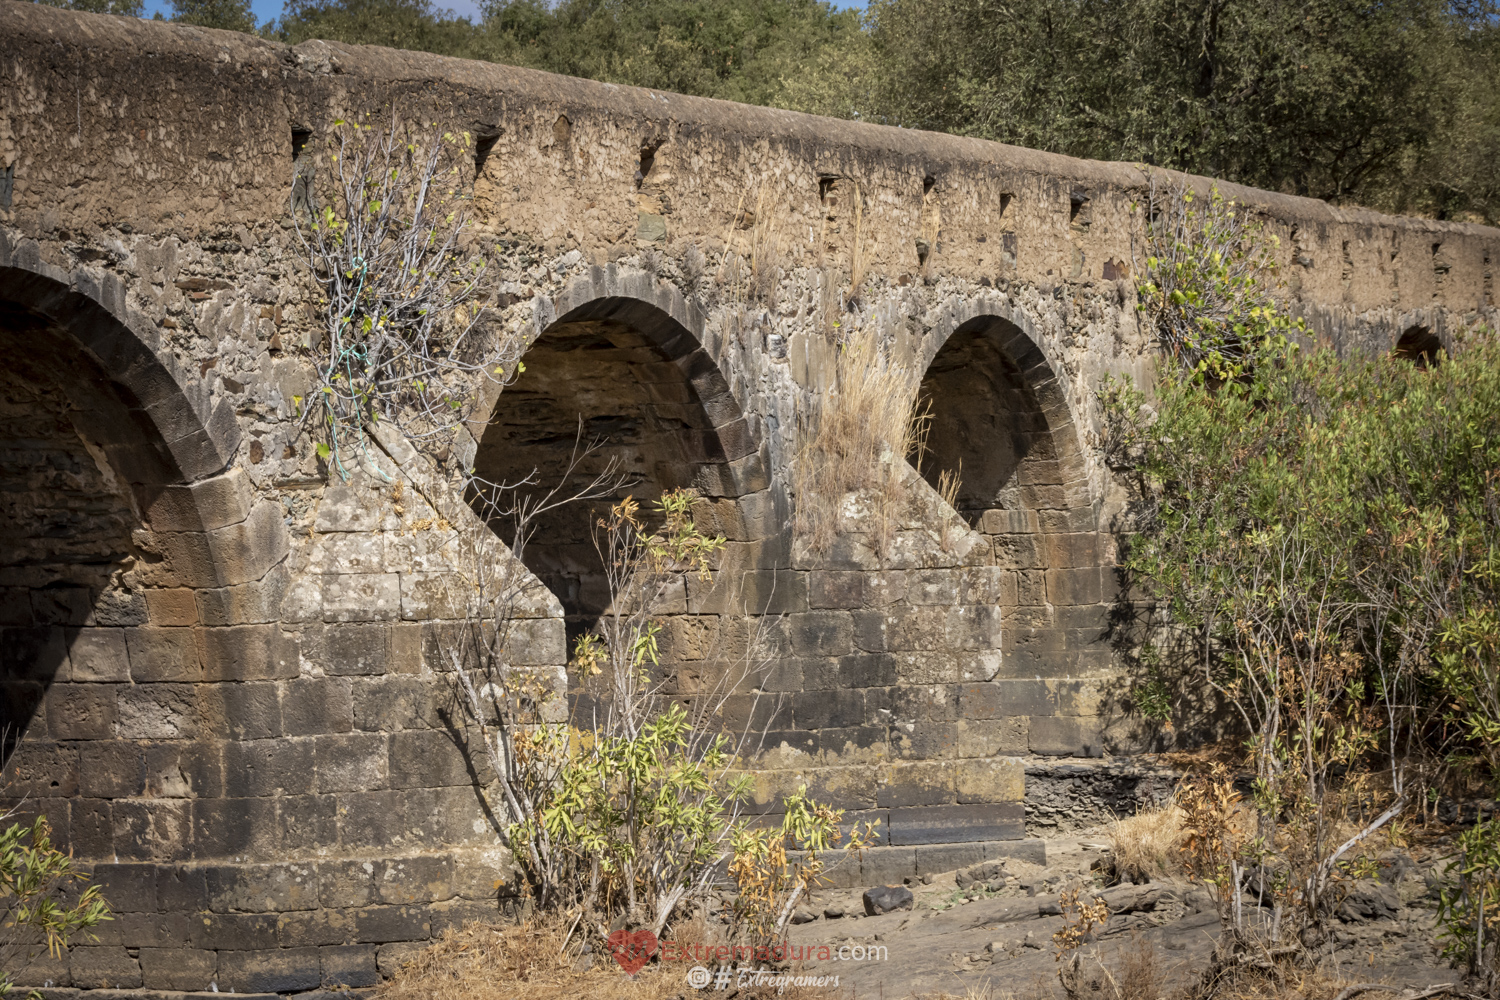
(536, 960)
(857, 440)
(1149, 844)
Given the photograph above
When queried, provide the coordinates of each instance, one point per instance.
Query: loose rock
(886, 898)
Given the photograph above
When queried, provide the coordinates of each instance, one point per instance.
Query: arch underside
(79, 460)
(599, 382)
(989, 427)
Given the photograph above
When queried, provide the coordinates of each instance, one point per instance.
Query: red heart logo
(632, 949)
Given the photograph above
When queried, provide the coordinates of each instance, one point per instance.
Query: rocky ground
(994, 925)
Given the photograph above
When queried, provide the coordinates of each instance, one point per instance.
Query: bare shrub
(857, 440)
(406, 339)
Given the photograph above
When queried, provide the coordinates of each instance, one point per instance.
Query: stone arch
(629, 360)
(112, 482)
(1420, 346)
(999, 410)
(1001, 421)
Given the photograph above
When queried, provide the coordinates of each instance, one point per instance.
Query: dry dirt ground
(999, 933)
(990, 939)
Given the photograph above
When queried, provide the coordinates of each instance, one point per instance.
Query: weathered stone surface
(228, 657)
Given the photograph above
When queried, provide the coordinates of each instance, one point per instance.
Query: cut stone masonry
(223, 664)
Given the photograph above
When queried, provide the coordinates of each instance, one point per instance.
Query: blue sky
(266, 10)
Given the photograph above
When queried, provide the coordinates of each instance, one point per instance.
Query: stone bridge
(223, 672)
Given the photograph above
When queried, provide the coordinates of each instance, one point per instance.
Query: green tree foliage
(233, 15)
(1391, 104)
(43, 899)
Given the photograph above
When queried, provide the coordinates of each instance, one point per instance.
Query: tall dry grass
(1150, 844)
(857, 441)
(538, 960)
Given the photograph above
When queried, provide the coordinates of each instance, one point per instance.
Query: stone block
(385, 704)
(308, 928)
(537, 642)
(95, 968)
(245, 552)
(181, 889)
(752, 592)
(1074, 586)
(854, 589)
(1072, 550)
(934, 586)
(346, 883)
(91, 827)
(268, 767)
(163, 654)
(370, 820)
(986, 737)
(242, 711)
(824, 709)
(1067, 737)
(145, 930)
(934, 859)
(246, 603)
(247, 653)
(81, 711)
(926, 740)
(1006, 697)
(383, 924)
(416, 879)
(433, 596)
(867, 670)
(958, 824)
(361, 597)
(146, 829)
(283, 970)
(178, 968)
(39, 769)
(349, 966)
(821, 633)
(110, 769)
(97, 655)
(34, 653)
(216, 502)
(277, 888)
(233, 931)
(158, 712)
(887, 865)
(1033, 851)
(129, 888)
(429, 759)
(315, 705)
(173, 606)
(354, 762)
(991, 779)
(918, 783)
(915, 702)
(344, 650)
(233, 827)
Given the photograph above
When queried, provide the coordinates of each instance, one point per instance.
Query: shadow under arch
(1000, 423)
(623, 362)
(98, 438)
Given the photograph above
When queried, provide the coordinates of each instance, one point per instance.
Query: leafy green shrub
(1318, 538)
(36, 909)
(1469, 904)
